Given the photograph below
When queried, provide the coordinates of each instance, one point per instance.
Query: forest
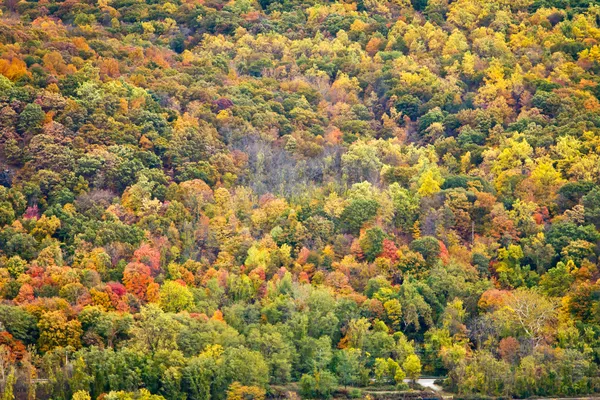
(254, 199)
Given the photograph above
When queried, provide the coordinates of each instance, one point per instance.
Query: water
(427, 383)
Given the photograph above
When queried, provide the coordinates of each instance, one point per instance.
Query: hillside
(208, 199)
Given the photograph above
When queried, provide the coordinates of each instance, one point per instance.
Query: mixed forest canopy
(212, 199)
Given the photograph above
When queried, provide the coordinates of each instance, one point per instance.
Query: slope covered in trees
(210, 199)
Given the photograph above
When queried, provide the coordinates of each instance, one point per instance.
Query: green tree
(357, 213)
(155, 330)
(348, 366)
(319, 385)
(31, 118)
(591, 204)
(245, 366)
(175, 297)
(371, 243)
(428, 247)
(19, 323)
(406, 206)
(80, 380)
(412, 367)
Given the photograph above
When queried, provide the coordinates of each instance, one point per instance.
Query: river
(427, 383)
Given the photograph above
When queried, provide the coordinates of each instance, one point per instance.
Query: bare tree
(532, 313)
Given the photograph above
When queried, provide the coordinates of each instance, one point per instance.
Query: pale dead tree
(482, 329)
(6, 363)
(533, 313)
(11, 5)
(29, 372)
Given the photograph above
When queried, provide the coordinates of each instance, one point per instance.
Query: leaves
(209, 200)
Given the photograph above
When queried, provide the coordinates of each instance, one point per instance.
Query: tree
(16, 266)
(178, 44)
(320, 384)
(406, 206)
(357, 213)
(570, 194)
(45, 227)
(530, 314)
(482, 374)
(31, 118)
(80, 380)
(7, 360)
(393, 310)
(591, 204)
(57, 331)
(81, 395)
(239, 392)
(198, 376)
(9, 384)
(210, 199)
(15, 68)
(557, 281)
(314, 354)
(430, 183)
(412, 367)
(545, 181)
(356, 332)
(371, 243)
(155, 330)
(175, 297)
(191, 142)
(539, 252)
(428, 247)
(245, 366)
(142, 394)
(276, 349)
(381, 370)
(138, 281)
(361, 163)
(414, 307)
(510, 271)
(348, 366)
(560, 234)
(386, 370)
